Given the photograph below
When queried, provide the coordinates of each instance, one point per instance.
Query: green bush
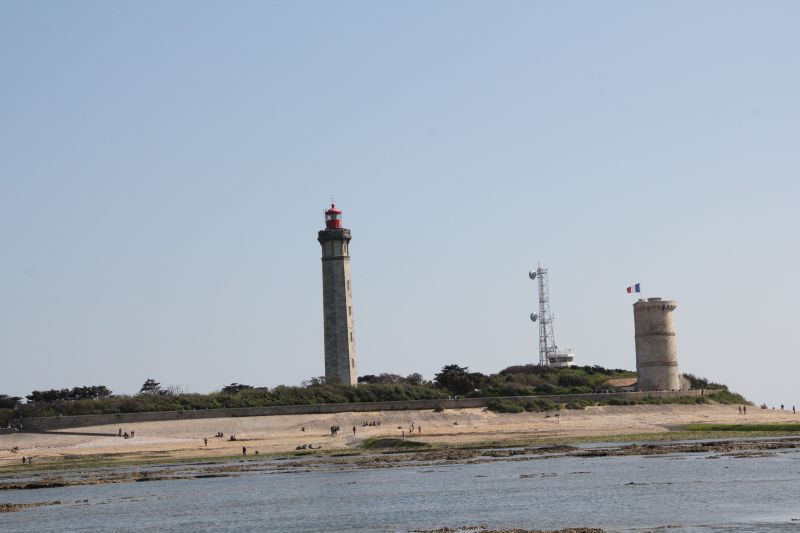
(248, 397)
(521, 380)
(573, 378)
(727, 397)
(702, 383)
(9, 402)
(650, 400)
(504, 406)
(620, 401)
(579, 404)
(547, 388)
(5, 417)
(539, 404)
(535, 405)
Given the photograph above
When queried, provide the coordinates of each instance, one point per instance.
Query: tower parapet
(337, 300)
(656, 355)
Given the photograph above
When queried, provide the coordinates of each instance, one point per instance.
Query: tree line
(451, 381)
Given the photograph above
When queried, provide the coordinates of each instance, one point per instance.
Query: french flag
(633, 288)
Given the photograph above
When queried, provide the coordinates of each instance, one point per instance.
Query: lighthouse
(337, 300)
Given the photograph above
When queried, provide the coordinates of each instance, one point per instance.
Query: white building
(561, 359)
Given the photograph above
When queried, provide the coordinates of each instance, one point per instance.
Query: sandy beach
(272, 434)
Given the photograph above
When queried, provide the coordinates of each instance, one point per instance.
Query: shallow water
(695, 491)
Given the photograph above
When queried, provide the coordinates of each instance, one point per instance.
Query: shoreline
(99, 473)
(181, 442)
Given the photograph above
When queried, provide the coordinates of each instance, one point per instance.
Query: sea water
(696, 492)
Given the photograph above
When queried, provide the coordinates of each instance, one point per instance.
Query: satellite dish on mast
(532, 274)
(533, 317)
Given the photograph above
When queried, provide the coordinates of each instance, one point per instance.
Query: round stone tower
(337, 301)
(656, 357)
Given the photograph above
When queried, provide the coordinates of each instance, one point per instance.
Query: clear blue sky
(164, 167)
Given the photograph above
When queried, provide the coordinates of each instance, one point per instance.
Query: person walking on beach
(793, 411)
(740, 409)
(744, 409)
(120, 432)
(205, 441)
(244, 450)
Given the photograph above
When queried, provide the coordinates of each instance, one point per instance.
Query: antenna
(547, 340)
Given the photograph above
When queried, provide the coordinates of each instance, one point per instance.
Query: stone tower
(337, 301)
(656, 357)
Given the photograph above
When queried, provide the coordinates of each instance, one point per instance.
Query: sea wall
(64, 422)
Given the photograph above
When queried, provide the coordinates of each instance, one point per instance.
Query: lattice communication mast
(547, 340)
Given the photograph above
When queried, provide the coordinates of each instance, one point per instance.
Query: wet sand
(183, 439)
(421, 458)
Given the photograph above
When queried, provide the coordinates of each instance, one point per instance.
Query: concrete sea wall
(64, 422)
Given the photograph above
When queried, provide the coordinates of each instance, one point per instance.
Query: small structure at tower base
(561, 359)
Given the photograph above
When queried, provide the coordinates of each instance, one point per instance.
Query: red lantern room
(333, 218)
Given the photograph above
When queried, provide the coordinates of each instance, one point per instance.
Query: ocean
(685, 492)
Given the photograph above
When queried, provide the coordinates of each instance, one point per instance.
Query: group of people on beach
(219, 435)
(125, 435)
(25, 460)
(743, 409)
(411, 428)
(370, 423)
(335, 430)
